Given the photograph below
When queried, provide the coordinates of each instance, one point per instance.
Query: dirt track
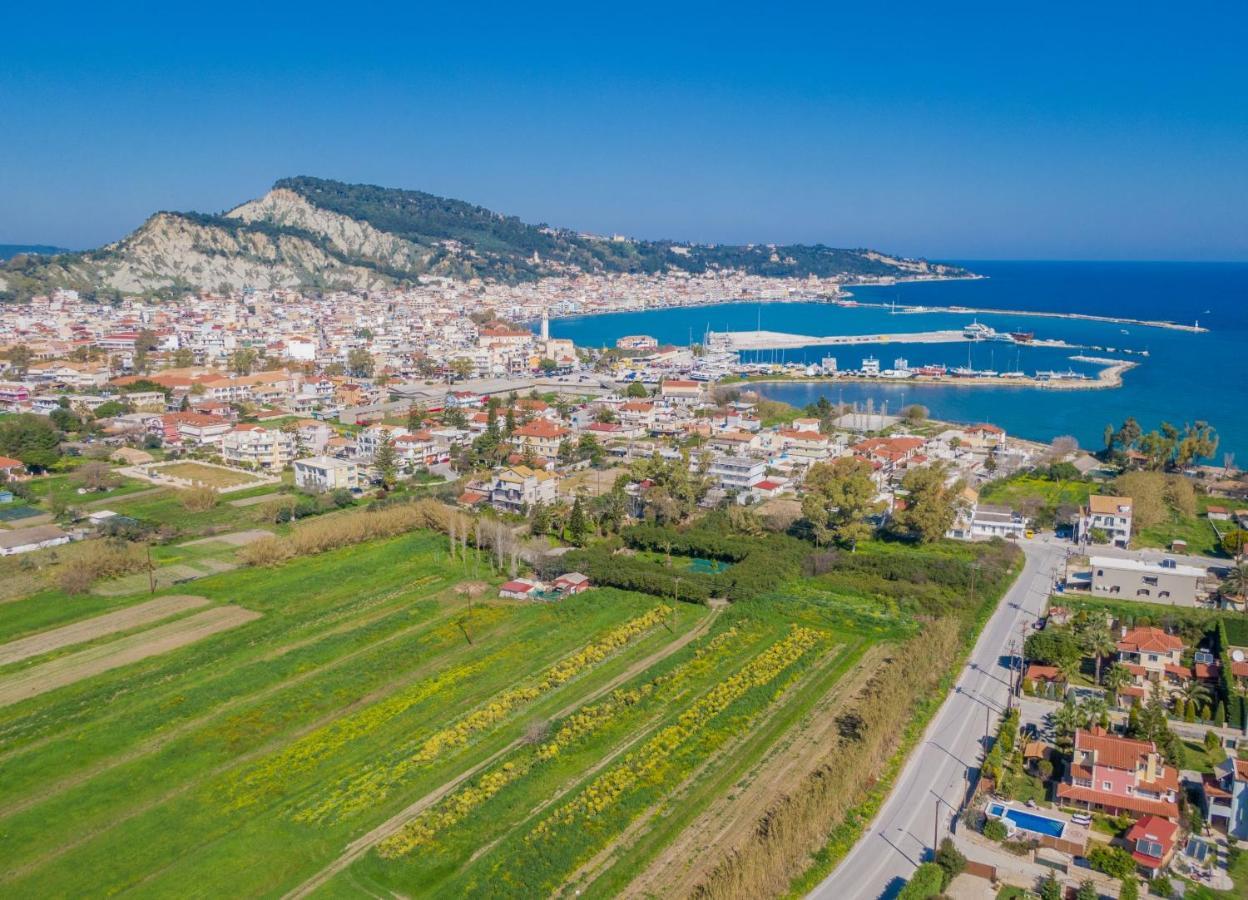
(97, 626)
(66, 670)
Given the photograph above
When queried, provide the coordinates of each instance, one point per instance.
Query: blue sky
(1093, 130)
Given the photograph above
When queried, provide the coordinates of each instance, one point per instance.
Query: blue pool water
(1029, 821)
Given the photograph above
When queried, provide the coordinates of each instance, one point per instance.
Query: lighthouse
(545, 326)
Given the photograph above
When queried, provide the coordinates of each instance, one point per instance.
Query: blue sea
(1185, 378)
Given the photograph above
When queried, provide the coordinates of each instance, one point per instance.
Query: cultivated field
(363, 730)
(211, 476)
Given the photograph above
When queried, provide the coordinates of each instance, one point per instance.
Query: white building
(1112, 515)
(255, 445)
(737, 473)
(326, 473)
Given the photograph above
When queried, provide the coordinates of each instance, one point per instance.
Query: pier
(776, 340)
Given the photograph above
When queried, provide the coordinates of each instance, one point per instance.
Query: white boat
(977, 331)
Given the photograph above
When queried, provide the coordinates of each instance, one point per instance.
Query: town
(157, 447)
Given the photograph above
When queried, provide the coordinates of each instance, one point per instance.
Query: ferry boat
(977, 331)
(1068, 375)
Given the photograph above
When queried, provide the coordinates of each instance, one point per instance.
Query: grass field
(1196, 530)
(1016, 492)
(207, 475)
(367, 733)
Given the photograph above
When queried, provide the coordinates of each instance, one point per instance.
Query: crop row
(574, 729)
(375, 783)
(642, 764)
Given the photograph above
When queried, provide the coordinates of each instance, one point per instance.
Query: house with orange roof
(540, 437)
(1119, 775)
(1153, 841)
(1104, 513)
(1152, 657)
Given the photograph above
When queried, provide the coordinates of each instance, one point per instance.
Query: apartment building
(256, 446)
(326, 473)
(1154, 582)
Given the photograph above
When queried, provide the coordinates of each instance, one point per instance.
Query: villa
(1153, 841)
(1152, 657)
(1119, 775)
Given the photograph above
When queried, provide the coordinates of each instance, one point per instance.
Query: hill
(312, 233)
(8, 251)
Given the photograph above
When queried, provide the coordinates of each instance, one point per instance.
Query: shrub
(1113, 861)
(1050, 888)
(1087, 891)
(198, 499)
(927, 881)
(1161, 886)
(995, 830)
(82, 565)
(1130, 890)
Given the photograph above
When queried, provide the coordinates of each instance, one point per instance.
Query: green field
(502, 749)
(1021, 490)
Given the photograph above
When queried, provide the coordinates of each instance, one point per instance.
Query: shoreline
(1109, 377)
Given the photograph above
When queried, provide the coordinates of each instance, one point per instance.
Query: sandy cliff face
(351, 238)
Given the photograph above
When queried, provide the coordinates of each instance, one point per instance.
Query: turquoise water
(1186, 377)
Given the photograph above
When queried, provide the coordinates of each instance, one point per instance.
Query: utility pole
(936, 829)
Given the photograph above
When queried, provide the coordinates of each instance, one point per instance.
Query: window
(1164, 594)
(1151, 580)
(1142, 592)
(1107, 785)
(1100, 573)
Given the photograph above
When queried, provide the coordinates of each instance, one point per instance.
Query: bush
(198, 499)
(927, 881)
(1050, 888)
(1130, 890)
(82, 565)
(1113, 861)
(951, 860)
(1161, 886)
(995, 830)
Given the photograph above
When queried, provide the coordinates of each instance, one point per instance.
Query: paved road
(901, 835)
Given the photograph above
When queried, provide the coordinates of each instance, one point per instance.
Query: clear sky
(1111, 130)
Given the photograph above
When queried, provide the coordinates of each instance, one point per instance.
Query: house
(1152, 840)
(1225, 797)
(25, 540)
(1119, 775)
(1163, 582)
(326, 473)
(11, 469)
(1044, 678)
(519, 589)
(572, 583)
(978, 521)
(541, 436)
(1218, 513)
(1152, 657)
(185, 428)
(518, 488)
(1112, 515)
(680, 392)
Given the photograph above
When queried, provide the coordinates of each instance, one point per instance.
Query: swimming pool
(1026, 821)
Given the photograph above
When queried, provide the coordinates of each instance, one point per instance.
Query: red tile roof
(1149, 640)
(1134, 804)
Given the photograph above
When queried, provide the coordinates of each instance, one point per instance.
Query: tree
(385, 461)
(839, 497)
(636, 390)
(360, 362)
(578, 523)
(1113, 861)
(1199, 441)
(462, 367)
(1049, 888)
(415, 417)
(949, 858)
(927, 881)
(547, 365)
(1130, 890)
(95, 476)
(1234, 542)
(540, 519)
(1087, 891)
(1116, 678)
(242, 361)
(995, 830)
(931, 505)
(20, 358)
(32, 439)
(915, 413)
(1099, 643)
(183, 358)
(1235, 584)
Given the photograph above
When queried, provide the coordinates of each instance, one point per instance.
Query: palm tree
(1094, 711)
(1066, 720)
(1236, 582)
(1197, 693)
(1099, 642)
(1116, 678)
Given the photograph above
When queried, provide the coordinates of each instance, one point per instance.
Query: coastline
(1108, 377)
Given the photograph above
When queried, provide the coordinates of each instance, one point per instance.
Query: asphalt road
(902, 834)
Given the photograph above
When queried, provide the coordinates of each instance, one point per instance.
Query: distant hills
(8, 251)
(312, 233)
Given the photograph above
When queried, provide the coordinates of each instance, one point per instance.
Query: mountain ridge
(317, 234)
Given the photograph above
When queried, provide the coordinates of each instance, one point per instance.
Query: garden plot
(99, 626)
(93, 661)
